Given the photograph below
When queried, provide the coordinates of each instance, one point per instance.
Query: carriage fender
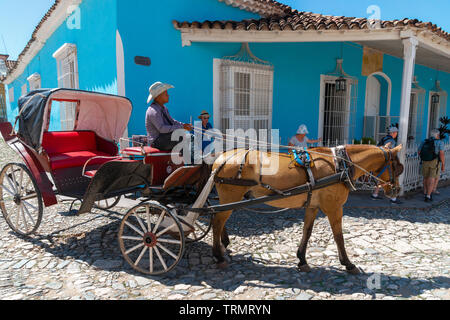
(33, 164)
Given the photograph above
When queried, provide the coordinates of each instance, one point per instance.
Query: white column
(409, 55)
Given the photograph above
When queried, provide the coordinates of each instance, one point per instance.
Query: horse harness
(303, 160)
(344, 173)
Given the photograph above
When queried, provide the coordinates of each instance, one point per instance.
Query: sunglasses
(205, 118)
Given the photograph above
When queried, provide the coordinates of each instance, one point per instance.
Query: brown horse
(329, 200)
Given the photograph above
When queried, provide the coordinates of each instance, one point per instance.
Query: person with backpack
(431, 152)
(390, 142)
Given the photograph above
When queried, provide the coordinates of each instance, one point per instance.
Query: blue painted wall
(96, 53)
(146, 29)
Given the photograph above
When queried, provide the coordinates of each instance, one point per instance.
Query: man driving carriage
(158, 122)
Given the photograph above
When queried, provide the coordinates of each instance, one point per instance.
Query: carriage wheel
(20, 199)
(202, 226)
(151, 238)
(107, 204)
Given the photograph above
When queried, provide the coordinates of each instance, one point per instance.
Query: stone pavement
(404, 254)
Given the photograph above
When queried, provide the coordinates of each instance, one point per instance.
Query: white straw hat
(302, 129)
(156, 89)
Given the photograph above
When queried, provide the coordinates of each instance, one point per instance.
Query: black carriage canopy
(105, 114)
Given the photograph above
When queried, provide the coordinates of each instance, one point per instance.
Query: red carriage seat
(73, 149)
(161, 161)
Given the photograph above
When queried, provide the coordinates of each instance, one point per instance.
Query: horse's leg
(225, 239)
(218, 227)
(310, 216)
(335, 219)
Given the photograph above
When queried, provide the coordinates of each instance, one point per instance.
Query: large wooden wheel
(151, 238)
(20, 199)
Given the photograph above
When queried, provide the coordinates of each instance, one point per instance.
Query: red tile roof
(262, 7)
(308, 21)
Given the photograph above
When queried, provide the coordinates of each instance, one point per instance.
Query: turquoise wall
(96, 53)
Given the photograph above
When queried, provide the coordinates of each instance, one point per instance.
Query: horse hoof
(354, 271)
(222, 265)
(304, 268)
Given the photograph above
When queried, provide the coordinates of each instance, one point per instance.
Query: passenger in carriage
(158, 122)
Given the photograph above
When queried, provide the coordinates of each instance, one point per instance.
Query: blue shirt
(388, 139)
(206, 139)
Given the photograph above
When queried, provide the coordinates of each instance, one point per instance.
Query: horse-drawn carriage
(85, 164)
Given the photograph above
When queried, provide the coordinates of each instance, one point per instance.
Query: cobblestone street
(404, 254)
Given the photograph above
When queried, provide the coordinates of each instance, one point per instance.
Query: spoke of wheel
(160, 258)
(165, 230)
(26, 187)
(159, 221)
(31, 196)
(140, 223)
(134, 228)
(11, 183)
(23, 217)
(20, 182)
(169, 241)
(17, 216)
(140, 256)
(131, 238)
(10, 214)
(134, 248)
(106, 203)
(14, 179)
(7, 190)
(149, 223)
(30, 205)
(167, 250)
(29, 215)
(150, 252)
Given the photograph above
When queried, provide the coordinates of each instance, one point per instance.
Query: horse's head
(390, 171)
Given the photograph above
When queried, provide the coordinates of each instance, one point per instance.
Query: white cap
(156, 89)
(302, 129)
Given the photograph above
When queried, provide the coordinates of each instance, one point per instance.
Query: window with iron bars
(338, 108)
(246, 93)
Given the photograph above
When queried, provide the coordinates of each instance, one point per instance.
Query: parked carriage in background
(84, 164)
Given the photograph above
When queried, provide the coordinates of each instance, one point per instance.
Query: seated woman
(301, 140)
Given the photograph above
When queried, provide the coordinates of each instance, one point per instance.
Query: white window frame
(35, 81)
(218, 94)
(67, 67)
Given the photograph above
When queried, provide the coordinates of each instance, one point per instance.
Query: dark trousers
(164, 142)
